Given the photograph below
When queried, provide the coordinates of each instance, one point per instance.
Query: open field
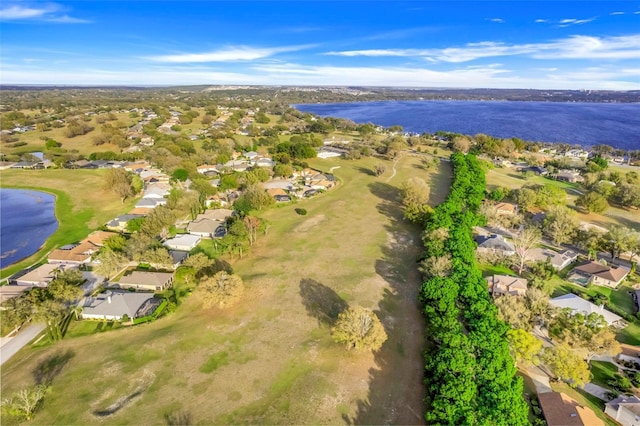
(270, 359)
(82, 204)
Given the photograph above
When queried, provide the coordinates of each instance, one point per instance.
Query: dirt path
(393, 167)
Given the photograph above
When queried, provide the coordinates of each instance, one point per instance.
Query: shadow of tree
(321, 302)
(396, 393)
(50, 367)
(365, 171)
(178, 418)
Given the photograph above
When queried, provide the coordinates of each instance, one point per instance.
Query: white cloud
(21, 12)
(574, 47)
(568, 22)
(228, 54)
(541, 21)
(616, 13)
(47, 13)
(496, 20)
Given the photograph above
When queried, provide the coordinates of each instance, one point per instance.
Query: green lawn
(490, 269)
(602, 372)
(82, 205)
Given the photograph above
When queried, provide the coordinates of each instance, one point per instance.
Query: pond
(27, 219)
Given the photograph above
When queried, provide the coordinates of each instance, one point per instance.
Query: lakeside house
(579, 305)
(40, 276)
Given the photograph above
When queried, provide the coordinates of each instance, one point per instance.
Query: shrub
(301, 212)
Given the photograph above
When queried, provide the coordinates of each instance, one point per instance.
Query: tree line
(469, 372)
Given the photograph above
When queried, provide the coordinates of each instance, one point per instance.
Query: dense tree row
(470, 374)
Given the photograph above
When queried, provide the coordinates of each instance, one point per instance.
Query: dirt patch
(309, 224)
(141, 383)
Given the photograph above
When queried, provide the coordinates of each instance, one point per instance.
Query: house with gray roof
(495, 244)
(184, 242)
(579, 305)
(203, 227)
(114, 305)
(120, 222)
(40, 276)
(559, 260)
(146, 281)
(624, 410)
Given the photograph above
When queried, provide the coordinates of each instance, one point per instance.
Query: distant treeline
(469, 373)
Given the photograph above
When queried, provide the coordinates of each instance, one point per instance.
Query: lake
(585, 124)
(27, 219)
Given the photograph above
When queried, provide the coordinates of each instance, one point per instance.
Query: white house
(580, 305)
(114, 305)
(184, 242)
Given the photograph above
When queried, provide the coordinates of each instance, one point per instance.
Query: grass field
(603, 372)
(270, 359)
(82, 204)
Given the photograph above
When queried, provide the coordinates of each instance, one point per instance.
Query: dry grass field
(270, 359)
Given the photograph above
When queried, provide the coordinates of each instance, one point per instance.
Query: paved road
(16, 343)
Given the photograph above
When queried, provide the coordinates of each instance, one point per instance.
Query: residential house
(602, 274)
(178, 257)
(571, 176)
(278, 183)
(506, 209)
(73, 254)
(577, 153)
(494, 244)
(216, 199)
(150, 203)
(561, 410)
(40, 276)
(559, 260)
(278, 192)
(624, 410)
(500, 285)
(10, 291)
(264, 162)
(120, 222)
(114, 305)
(538, 170)
(251, 155)
(183, 242)
(221, 215)
(580, 305)
(203, 227)
(331, 152)
(146, 281)
(207, 169)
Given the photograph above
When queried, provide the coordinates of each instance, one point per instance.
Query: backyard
(269, 359)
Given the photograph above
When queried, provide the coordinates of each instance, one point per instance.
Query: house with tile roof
(600, 274)
(561, 410)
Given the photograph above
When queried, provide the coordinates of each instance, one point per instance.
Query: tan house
(602, 274)
(500, 285)
(559, 260)
(561, 410)
(146, 281)
(506, 209)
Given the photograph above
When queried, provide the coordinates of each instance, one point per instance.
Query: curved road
(16, 343)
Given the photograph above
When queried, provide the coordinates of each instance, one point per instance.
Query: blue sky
(499, 44)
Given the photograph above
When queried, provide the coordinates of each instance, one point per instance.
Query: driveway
(597, 391)
(12, 346)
